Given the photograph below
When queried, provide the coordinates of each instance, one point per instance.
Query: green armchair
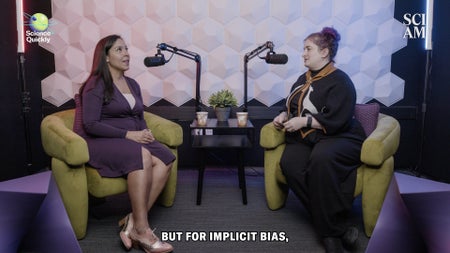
(373, 176)
(76, 180)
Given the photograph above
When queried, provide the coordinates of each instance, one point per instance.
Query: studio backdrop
(222, 32)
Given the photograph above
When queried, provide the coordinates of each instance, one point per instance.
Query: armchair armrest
(164, 130)
(270, 137)
(62, 143)
(382, 143)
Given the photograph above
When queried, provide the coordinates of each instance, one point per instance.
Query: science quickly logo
(39, 28)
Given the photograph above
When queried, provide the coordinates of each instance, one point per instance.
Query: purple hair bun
(330, 31)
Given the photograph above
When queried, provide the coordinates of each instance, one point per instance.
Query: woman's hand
(294, 124)
(143, 136)
(278, 120)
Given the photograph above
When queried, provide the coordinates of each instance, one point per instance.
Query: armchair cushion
(60, 142)
(164, 130)
(271, 137)
(78, 119)
(367, 115)
(382, 143)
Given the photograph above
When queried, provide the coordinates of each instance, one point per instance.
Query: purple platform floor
(415, 217)
(33, 217)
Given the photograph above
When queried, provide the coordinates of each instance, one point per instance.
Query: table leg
(201, 172)
(241, 174)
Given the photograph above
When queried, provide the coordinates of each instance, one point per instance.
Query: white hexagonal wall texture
(151, 88)
(347, 14)
(286, 11)
(222, 32)
(223, 11)
(57, 89)
(161, 11)
(97, 11)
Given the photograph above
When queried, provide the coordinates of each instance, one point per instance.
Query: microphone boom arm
(258, 50)
(185, 53)
(193, 56)
(247, 58)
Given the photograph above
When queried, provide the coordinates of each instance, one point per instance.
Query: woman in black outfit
(323, 141)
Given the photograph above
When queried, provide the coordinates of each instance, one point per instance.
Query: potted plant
(222, 101)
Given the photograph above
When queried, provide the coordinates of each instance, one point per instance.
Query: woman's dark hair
(327, 38)
(100, 66)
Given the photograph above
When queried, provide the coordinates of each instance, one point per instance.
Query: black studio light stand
(26, 108)
(271, 58)
(159, 59)
(427, 83)
(25, 94)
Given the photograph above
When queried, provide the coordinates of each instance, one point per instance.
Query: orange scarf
(330, 68)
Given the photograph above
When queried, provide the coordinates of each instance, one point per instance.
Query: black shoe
(350, 238)
(333, 245)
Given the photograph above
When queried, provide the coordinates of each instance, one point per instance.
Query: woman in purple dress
(119, 142)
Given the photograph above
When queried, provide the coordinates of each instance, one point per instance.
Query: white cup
(202, 118)
(242, 118)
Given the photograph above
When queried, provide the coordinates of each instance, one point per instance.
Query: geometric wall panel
(255, 11)
(223, 11)
(223, 61)
(317, 11)
(364, 87)
(375, 62)
(389, 89)
(192, 11)
(208, 35)
(378, 11)
(178, 89)
(97, 11)
(160, 11)
(268, 89)
(347, 14)
(57, 89)
(222, 32)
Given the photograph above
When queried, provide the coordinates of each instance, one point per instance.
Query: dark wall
(408, 63)
(436, 159)
(22, 152)
(12, 130)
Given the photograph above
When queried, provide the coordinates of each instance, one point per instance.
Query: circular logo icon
(39, 22)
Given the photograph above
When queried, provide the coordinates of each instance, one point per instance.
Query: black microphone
(155, 61)
(273, 58)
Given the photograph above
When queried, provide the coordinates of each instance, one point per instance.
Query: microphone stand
(247, 58)
(193, 56)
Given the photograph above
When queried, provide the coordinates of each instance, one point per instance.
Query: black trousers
(321, 171)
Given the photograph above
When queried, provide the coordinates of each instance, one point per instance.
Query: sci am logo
(415, 25)
(39, 28)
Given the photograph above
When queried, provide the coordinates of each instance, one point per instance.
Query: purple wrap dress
(106, 125)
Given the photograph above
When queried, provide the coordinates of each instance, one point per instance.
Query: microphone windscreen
(276, 58)
(154, 61)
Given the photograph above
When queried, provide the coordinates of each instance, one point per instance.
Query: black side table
(222, 135)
